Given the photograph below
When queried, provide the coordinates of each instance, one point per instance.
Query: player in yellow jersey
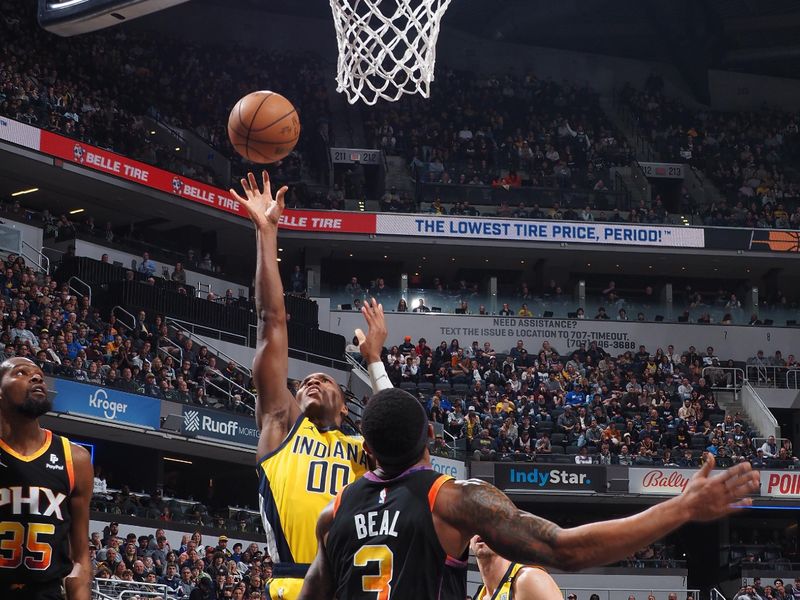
(505, 580)
(304, 458)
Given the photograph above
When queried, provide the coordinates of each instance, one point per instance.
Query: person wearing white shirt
(770, 448)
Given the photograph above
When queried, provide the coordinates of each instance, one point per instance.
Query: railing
(179, 326)
(545, 197)
(132, 324)
(624, 594)
(760, 441)
(165, 352)
(229, 393)
(86, 287)
(725, 378)
(715, 594)
(773, 376)
(124, 590)
(210, 332)
(760, 416)
(43, 263)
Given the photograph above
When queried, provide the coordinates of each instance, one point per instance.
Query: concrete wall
(173, 536)
(736, 342)
(298, 369)
(775, 398)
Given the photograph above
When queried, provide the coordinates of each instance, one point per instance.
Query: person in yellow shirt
(524, 311)
(304, 458)
(504, 580)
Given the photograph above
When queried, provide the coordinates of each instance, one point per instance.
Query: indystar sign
(535, 478)
(200, 422)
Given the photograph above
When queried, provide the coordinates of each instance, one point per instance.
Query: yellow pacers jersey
(298, 479)
(504, 591)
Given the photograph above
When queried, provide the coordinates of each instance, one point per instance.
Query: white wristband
(378, 377)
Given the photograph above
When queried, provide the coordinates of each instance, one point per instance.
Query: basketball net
(387, 48)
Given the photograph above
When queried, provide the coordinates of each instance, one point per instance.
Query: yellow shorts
(284, 588)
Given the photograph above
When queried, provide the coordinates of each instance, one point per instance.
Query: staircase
(398, 175)
(701, 188)
(746, 402)
(347, 127)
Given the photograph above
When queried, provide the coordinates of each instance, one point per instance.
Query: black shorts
(32, 591)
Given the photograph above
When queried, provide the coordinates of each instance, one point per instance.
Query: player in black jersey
(45, 488)
(386, 536)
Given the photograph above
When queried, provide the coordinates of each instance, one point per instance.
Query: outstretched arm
(276, 408)
(477, 507)
(318, 583)
(371, 344)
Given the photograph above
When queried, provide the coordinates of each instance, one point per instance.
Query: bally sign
(663, 481)
(541, 478)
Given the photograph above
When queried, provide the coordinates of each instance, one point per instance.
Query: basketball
(263, 127)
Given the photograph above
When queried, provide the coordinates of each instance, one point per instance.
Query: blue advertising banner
(202, 422)
(106, 404)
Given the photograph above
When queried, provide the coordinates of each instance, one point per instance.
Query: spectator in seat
(625, 457)
(543, 444)
(484, 447)
(298, 281)
(179, 274)
(147, 267)
(524, 311)
(770, 448)
(582, 457)
(420, 307)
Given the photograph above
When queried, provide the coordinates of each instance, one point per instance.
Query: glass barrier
(544, 197)
(472, 302)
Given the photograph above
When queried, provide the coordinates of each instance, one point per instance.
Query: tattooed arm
(476, 507)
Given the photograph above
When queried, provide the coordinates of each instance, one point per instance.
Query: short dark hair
(395, 427)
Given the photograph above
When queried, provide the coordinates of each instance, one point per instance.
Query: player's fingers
(708, 466)
(361, 337)
(245, 186)
(236, 196)
(732, 475)
(253, 183)
(366, 310)
(743, 488)
(280, 197)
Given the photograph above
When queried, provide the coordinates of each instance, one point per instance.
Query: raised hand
(708, 497)
(371, 344)
(261, 206)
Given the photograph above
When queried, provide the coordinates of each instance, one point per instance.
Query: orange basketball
(263, 127)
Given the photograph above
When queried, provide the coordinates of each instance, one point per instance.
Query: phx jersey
(297, 480)
(34, 513)
(383, 541)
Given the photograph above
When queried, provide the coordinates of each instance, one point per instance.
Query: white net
(387, 48)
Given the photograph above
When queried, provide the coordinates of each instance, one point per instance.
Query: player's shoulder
(533, 581)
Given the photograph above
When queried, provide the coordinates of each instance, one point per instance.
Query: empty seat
(556, 449)
(572, 449)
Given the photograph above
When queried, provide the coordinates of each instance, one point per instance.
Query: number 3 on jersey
(327, 478)
(382, 582)
(12, 535)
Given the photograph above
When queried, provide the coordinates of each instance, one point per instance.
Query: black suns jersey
(382, 539)
(35, 515)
